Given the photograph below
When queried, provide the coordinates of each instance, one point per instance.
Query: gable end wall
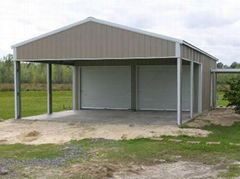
(94, 40)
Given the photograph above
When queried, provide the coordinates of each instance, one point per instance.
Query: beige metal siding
(207, 64)
(94, 40)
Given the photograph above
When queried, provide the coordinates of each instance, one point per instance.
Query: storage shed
(118, 67)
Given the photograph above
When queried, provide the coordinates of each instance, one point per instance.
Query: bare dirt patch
(221, 116)
(180, 170)
(41, 132)
(97, 171)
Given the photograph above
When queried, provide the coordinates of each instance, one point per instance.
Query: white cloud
(212, 25)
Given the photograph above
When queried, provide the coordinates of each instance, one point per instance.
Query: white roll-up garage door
(157, 87)
(106, 87)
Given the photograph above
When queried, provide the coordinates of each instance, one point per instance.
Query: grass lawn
(33, 102)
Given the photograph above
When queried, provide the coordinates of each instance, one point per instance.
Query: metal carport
(94, 42)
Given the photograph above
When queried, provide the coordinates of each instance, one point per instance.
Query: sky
(212, 25)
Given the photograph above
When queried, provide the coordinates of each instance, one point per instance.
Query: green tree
(6, 69)
(233, 94)
(220, 65)
(234, 65)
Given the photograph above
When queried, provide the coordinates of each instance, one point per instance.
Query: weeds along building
(122, 68)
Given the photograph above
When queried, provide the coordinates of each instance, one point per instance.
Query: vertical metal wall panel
(146, 45)
(108, 42)
(152, 46)
(82, 40)
(125, 44)
(106, 87)
(87, 34)
(34, 51)
(73, 43)
(164, 47)
(170, 48)
(94, 40)
(100, 40)
(142, 45)
(131, 44)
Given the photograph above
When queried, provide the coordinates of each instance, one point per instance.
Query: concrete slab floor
(113, 117)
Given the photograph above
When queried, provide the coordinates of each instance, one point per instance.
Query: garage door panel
(106, 87)
(157, 87)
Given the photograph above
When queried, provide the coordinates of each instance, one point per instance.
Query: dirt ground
(41, 132)
(179, 169)
(220, 116)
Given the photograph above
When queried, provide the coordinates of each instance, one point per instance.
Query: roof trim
(92, 19)
(107, 58)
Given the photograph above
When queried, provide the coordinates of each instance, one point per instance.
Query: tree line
(33, 72)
